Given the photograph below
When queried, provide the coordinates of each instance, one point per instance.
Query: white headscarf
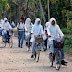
(37, 27)
(27, 24)
(52, 19)
(47, 24)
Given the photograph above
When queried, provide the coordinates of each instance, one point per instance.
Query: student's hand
(49, 35)
(18, 33)
(26, 31)
(64, 37)
(30, 34)
(2, 29)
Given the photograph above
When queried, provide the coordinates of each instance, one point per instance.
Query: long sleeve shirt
(54, 32)
(6, 26)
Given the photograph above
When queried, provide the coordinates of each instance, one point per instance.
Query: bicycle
(58, 45)
(28, 43)
(38, 40)
(8, 40)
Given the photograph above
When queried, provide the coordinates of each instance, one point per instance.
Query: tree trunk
(48, 10)
(42, 12)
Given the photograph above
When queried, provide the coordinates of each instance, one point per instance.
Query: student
(45, 38)
(46, 25)
(6, 27)
(21, 32)
(13, 24)
(36, 30)
(54, 32)
(28, 28)
(45, 42)
(0, 28)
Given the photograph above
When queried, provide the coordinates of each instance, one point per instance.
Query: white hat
(5, 19)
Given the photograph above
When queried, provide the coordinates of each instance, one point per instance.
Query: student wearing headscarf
(36, 30)
(6, 27)
(28, 27)
(45, 37)
(54, 32)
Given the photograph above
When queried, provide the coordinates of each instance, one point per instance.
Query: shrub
(66, 31)
(70, 25)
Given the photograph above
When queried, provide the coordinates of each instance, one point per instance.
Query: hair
(45, 30)
(22, 18)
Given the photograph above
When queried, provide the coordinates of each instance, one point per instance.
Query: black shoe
(64, 61)
(32, 56)
(44, 50)
(18, 45)
(26, 43)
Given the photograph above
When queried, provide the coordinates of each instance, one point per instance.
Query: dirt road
(18, 60)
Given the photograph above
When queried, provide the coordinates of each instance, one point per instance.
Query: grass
(68, 44)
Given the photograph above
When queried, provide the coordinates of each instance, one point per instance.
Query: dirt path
(18, 60)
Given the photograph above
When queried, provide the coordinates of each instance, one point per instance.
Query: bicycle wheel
(10, 42)
(58, 59)
(28, 47)
(37, 53)
(3, 44)
(51, 59)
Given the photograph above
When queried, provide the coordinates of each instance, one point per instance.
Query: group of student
(50, 31)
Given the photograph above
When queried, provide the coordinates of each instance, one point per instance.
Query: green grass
(68, 44)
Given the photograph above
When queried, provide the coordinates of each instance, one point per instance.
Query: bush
(66, 31)
(70, 25)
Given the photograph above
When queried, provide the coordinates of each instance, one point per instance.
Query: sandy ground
(18, 60)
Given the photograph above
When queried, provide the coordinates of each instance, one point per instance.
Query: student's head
(5, 19)
(28, 21)
(45, 31)
(37, 21)
(53, 21)
(22, 20)
(47, 24)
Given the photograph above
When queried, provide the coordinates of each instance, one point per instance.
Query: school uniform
(37, 29)
(21, 29)
(6, 27)
(45, 38)
(0, 28)
(28, 28)
(54, 31)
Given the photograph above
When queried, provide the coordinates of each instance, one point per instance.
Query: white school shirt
(6, 26)
(32, 31)
(21, 26)
(54, 31)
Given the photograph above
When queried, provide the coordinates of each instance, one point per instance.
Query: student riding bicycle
(36, 31)
(54, 32)
(5, 29)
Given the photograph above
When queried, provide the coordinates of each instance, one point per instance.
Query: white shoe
(50, 64)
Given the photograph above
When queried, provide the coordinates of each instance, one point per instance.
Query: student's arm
(42, 32)
(18, 29)
(26, 28)
(60, 32)
(10, 27)
(48, 32)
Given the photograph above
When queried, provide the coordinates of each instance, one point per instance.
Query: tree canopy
(14, 9)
